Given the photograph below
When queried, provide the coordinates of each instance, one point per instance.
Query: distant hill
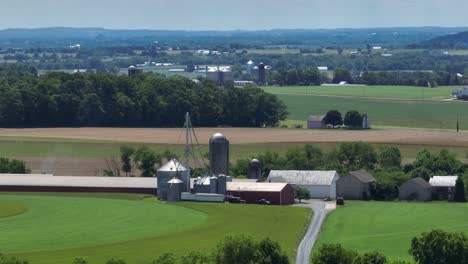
(297, 38)
(451, 41)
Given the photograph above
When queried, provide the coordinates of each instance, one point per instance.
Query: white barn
(320, 184)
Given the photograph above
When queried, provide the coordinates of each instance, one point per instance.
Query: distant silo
(222, 179)
(172, 169)
(133, 71)
(261, 74)
(219, 154)
(174, 190)
(250, 65)
(255, 169)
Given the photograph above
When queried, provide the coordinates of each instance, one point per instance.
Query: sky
(232, 14)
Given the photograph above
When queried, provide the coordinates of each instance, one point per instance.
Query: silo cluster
(172, 171)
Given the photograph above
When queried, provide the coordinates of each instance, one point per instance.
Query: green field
(56, 228)
(388, 227)
(43, 147)
(397, 113)
(398, 92)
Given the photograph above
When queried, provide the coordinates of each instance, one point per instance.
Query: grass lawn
(57, 228)
(39, 147)
(399, 92)
(422, 114)
(388, 227)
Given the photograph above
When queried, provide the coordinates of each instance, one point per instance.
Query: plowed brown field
(251, 135)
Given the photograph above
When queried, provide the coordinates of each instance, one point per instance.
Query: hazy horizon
(224, 15)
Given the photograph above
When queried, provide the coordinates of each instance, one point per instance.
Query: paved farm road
(321, 209)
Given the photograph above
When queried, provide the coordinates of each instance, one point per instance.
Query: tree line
(385, 163)
(147, 100)
(433, 247)
(233, 249)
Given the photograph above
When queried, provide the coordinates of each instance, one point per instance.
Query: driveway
(321, 209)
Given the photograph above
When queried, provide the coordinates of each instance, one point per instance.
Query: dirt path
(252, 135)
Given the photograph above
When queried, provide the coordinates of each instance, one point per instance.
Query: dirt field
(251, 135)
(66, 166)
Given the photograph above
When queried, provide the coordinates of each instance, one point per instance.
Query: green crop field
(398, 92)
(54, 229)
(43, 147)
(398, 113)
(388, 227)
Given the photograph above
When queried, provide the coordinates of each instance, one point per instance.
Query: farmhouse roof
(80, 181)
(363, 176)
(443, 181)
(420, 182)
(255, 187)
(303, 177)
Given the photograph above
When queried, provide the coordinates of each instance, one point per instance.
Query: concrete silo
(174, 190)
(219, 154)
(261, 74)
(172, 169)
(255, 169)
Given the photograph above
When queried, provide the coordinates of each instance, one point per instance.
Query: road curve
(305, 247)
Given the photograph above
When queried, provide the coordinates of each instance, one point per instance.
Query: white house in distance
(320, 184)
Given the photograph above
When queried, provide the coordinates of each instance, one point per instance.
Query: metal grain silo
(174, 189)
(219, 154)
(222, 179)
(255, 169)
(172, 169)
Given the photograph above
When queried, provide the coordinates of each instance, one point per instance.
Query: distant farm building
(415, 189)
(356, 185)
(443, 187)
(322, 68)
(315, 122)
(276, 193)
(461, 93)
(320, 184)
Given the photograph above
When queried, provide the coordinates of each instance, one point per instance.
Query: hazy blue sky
(232, 14)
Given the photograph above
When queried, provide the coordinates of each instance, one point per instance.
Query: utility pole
(458, 123)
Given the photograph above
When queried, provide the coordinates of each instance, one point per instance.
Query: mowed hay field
(392, 92)
(399, 106)
(56, 228)
(389, 113)
(388, 227)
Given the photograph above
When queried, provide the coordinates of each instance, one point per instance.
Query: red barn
(276, 193)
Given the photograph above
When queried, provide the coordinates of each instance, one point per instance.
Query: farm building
(26, 183)
(356, 185)
(415, 189)
(320, 184)
(443, 187)
(314, 122)
(276, 193)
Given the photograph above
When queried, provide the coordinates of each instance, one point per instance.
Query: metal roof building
(356, 185)
(443, 187)
(28, 183)
(320, 184)
(276, 193)
(415, 189)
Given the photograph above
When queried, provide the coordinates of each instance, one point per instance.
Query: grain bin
(254, 170)
(172, 169)
(213, 184)
(219, 154)
(222, 179)
(174, 189)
